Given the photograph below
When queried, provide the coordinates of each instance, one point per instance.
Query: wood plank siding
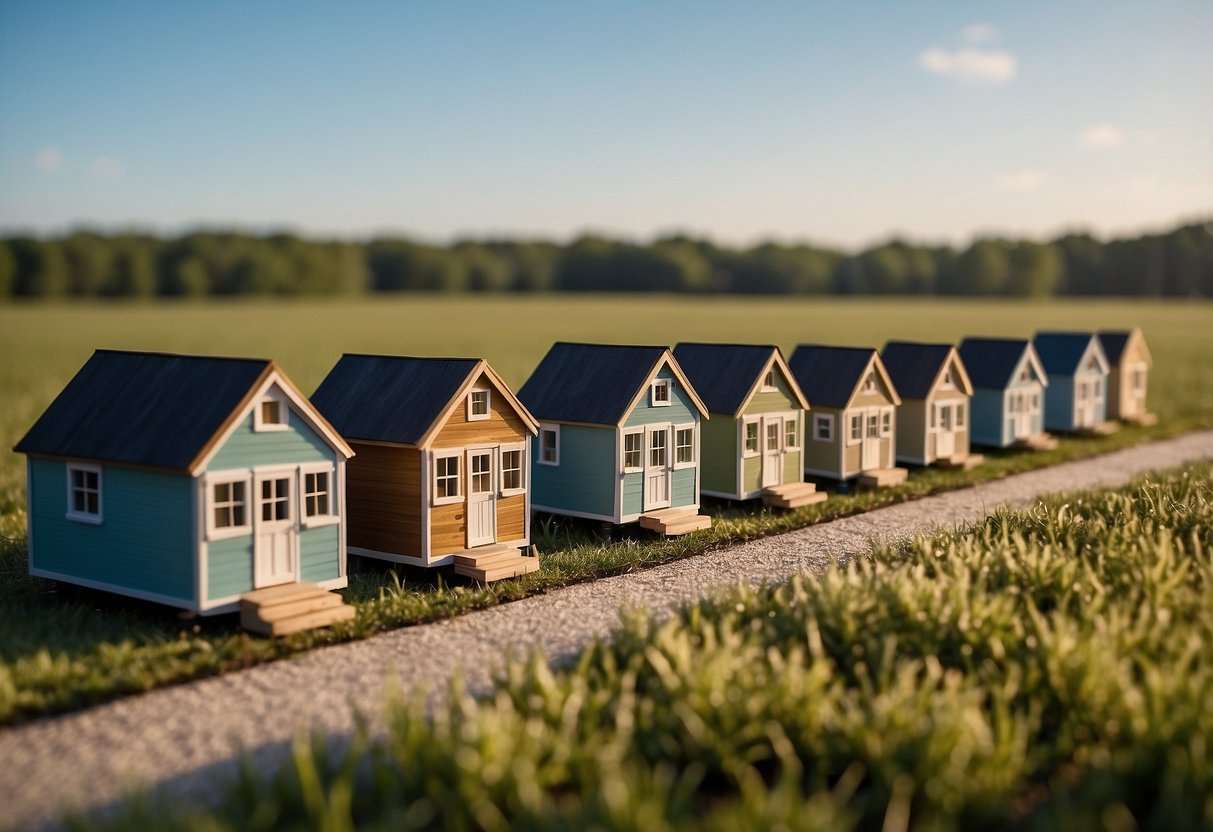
(383, 506)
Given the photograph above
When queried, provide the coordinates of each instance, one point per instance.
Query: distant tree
(1084, 270)
(41, 268)
(8, 271)
(487, 271)
(133, 273)
(90, 262)
(982, 269)
(1036, 270)
(187, 277)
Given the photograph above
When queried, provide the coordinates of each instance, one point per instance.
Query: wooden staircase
(493, 563)
(1100, 429)
(966, 462)
(1144, 419)
(792, 495)
(1039, 442)
(673, 522)
(289, 608)
(882, 477)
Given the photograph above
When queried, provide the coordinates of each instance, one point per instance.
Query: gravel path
(182, 739)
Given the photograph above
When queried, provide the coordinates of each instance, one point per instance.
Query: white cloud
(105, 168)
(1024, 180)
(49, 160)
(971, 65)
(1102, 136)
(981, 33)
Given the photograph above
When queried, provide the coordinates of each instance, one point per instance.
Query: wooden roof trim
(1100, 355)
(874, 363)
(1136, 336)
(1032, 358)
(313, 414)
(207, 451)
(775, 359)
(668, 359)
(480, 367)
(952, 358)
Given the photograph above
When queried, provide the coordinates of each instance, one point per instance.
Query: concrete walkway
(181, 740)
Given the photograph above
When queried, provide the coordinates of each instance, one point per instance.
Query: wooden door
(275, 534)
(945, 438)
(871, 440)
(772, 451)
(482, 499)
(657, 467)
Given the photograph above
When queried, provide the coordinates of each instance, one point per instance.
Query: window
(823, 428)
(275, 499)
(513, 480)
(229, 505)
(684, 446)
(271, 413)
(869, 383)
(446, 479)
(960, 415)
(1082, 391)
(791, 439)
(633, 451)
(751, 438)
(478, 405)
(1139, 380)
(549, 445)
(886, 422)
(84, 493)
(856, 427)
(1092, 363)
(768, 381)
(1097, 388)
(1035, 402)
(873, 425)
(661, 393)
(657, 449)
(316, 494)
(772, 436)
(480, 467)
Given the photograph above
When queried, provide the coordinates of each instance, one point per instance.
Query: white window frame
(214, 532)
(852, 417)
(334, 515)
(554, 429)
(745, 428)
(679, 466)
(768, 381)
(284, 413)
(488, 404)
(522, 472)
(826, 419)
(669, 392)
(1137, 372)
(84, 516)
(458, 455)
(958, 416)
(869, 382)
(886, 422)
(623, 451)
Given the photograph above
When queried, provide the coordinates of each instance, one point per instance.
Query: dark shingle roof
(143, 408)
(991, 361)
(829, 375)
(591, 383)
(388, 398)
(723, 373)
(1113, 344)
(1060, 352)
(913, 367)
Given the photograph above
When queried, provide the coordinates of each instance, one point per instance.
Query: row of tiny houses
(212, 484)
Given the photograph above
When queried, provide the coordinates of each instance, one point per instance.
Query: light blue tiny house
(619, 436)
(185, 480)
(1076, 400)
(1009, 383)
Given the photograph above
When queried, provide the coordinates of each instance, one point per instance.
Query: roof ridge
(163, 354)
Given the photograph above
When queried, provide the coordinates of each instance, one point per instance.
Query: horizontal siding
(1059, 403)
(793, 470)
(683, 491)
(145, 542)
(987, 417)
(229, 567)
(751, 472)
(383, 508)
(319, 559)
(246, 447)
(718, 453)
(779, 400)
(633, 494)
(680, 411)
(586, 477)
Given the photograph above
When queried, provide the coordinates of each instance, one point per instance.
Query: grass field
(1047, 669)
(64, 647)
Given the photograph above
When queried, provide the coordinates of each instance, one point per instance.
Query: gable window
(549, 445)
(660, 393)
(751, 438)
(823, 427)
(856, 427)
(633, 451)
(684, 446)
(271, 412)
(319, 505)
(478, 405)
(768, 381)
(447, 485)
(1092, 363)
(791, 439)
(869, 383)
(84, 493)
(949, 380)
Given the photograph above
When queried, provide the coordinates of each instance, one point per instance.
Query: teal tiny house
(185, 480)
(618, 436)
(1076, 400)
(1008, 393)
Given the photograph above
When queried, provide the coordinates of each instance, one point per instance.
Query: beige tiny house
(933, 422)
(1130, 362)
(852, 427)
(444, 452)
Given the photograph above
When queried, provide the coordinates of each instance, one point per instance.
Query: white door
(1087, 397)
(945, 439)
(657, 467)
(772, 451)
(1021, 420)
(871, 440)
(482, 498)
(275, 534)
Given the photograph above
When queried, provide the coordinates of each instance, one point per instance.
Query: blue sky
(835, 123)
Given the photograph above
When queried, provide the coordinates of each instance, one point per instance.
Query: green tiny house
(185, 480)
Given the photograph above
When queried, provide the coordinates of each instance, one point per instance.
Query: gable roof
(1061, 352)
(829, 376)
(915, 368)
(400, 399)
(1114, 343)
(153, 409)
(726, 375)
(991, 362)
(596, 384)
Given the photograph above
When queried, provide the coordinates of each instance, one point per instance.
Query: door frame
(667, 469)
(490, 496)
(772, 461)
(870, 413)
(289, 527)
(940, 431)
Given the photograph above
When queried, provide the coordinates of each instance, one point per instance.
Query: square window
(768, 380)
(316, 499)
(960, 415)
(773, 436)
(549, 445)
(275, 500)
(229, 505)
(856, 427)
(751, 437)
(823, 428)
(271, 413)
(661, 393)
(481, 470)
(478, 405)
(886, 422)
(511, 470)
(84, 493)
(684, 446)
(633, 451)
(446, 478)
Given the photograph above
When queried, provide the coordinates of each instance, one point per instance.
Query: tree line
(1178, 263)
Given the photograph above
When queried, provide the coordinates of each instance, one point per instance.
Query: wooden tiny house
(1130, 362)
(1008, 393)
(852, 430)
(442, 474)
(619, 437)
(187, 480)
(933, 420)
(1076, 400)
(751, 447)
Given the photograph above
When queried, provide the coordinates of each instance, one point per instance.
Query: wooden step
(516, 566)
(882, 477)
(658, 517)
(289, 608)
(292, 606)
(485, 554)
(684, 523)
(1039, 442)
(796, 500)
(789, 489)
(303, 621)
(281, 592)
(1144, 419)
(967, 462)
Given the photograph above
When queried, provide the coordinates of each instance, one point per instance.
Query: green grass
(65, 647)
(1044, 669)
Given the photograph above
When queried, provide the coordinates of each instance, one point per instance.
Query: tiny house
(933, 420)
(186, 480)
(852, 432)
(1008, 393)
(1130, 362)
(1076, 399)
(619, 436)
(751, 447)
(442, 474)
